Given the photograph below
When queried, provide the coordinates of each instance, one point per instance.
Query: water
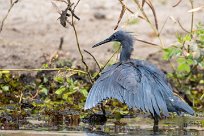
(175, 126)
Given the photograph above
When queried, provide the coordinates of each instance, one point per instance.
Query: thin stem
(149, 22)
(79, 49)
(182, 27)
(192, 17)
(5, 17)
(111, 57)
(61, 43)
(76, 5)
(21, 97)
(50, 69)
(143, 41)
(107, 61)
(163, 25)
(94, 59)
(177, 3)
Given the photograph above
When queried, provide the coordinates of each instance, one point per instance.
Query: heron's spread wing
(135, 83)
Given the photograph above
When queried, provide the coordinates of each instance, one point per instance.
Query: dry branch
(124, 8)
(149, 3)
(143, 41)
(49, 69)
(94, 59)
(64, 16)
(9, 10)
(177, 3)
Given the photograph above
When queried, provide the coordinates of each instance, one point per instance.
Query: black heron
(136, 83)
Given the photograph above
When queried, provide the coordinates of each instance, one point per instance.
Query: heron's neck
(127, 48)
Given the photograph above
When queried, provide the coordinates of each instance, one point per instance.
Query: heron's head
(120, 36)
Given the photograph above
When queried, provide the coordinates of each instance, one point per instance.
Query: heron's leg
(156, 123)
(103, 110)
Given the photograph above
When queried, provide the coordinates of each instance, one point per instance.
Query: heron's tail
(182, 106)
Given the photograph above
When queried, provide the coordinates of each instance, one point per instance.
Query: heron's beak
(102, 42)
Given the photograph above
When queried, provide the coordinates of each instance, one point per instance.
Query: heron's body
(137, 83)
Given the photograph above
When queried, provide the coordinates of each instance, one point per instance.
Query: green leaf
(189, 61)
(59, 79)
(44, 91)
(184, 64)
(60, 91)
(187, 37)
(65, 96)
(179, 38)
(5, 88)
(170, 52)
(84, 92)
(184, 67)
(45, 66)
(181, 60)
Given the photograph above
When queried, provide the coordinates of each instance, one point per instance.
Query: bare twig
(121, 16)
(64, 18)
(179, 23)
(146, 42)
(94, 59)
(9, 10)
(49, 69)
(79, 49)
(182, 27)
(111, 58)
(61, 43)
(78, 45)
(21, 97)
(149, 22)
(177, 3)
(124, 8)
(121, 2)
(192, 17)
(149, 3)
(163, 25)
(108, 61)
(76, 5)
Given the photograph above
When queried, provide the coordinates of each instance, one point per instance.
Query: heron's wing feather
(132, 83)
(140, 82)
(105, 87)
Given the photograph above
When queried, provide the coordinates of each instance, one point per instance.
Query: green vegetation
(188, 74)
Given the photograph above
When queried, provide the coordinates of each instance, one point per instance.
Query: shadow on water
(175, 126)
